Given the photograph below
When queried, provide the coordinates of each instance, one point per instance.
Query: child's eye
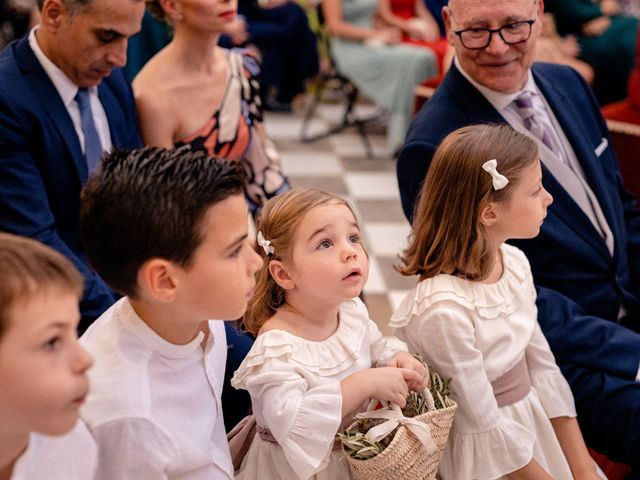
(354, 238)
(325, 244)
(52, 344)
(236, 252)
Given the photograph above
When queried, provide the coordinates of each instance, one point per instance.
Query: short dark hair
(147, 203)
(72, 5)
(28, 267)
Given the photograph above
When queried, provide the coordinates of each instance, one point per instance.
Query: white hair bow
(491, 167)
(265, 244)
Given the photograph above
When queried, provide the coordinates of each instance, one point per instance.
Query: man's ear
(489, 214)
(157, 279)
(446, 19)
(280, 274)
(52, 14)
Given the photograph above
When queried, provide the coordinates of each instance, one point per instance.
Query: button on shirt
(67, 91)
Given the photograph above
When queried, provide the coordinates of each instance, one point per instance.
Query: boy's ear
(280, 274)
(489, 214)
(156, 279)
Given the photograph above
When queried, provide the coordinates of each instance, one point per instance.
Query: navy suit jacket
(580, 286)
(42, 167)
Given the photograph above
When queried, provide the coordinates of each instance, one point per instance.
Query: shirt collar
(498, 99)
(151, 339)
(65, 87)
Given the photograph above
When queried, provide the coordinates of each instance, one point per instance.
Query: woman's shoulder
(247, 59)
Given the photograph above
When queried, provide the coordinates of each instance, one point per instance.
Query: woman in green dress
(376, 62)
(607, 40)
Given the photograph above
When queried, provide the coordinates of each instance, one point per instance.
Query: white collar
(65, 87)
(498, 99)
(154, 342)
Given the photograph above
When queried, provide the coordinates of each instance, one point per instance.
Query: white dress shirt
(154, 407)
(67, 91)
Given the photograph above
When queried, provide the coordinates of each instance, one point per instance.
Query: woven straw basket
(406, 457)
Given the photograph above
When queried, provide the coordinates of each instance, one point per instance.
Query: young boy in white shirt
(167, 229)
(43, 379)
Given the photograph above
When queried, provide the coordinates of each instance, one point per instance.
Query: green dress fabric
(612, 54)
(386, 74)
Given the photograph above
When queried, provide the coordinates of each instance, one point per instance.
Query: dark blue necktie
(92, 145)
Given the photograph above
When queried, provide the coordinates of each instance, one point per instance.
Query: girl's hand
(406, 360)
(390, 383)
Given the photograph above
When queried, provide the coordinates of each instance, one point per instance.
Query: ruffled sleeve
(552, 388)
(484, 443)
(302, 419)
(381, 350)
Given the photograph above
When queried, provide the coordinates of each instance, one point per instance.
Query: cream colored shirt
(154, 407)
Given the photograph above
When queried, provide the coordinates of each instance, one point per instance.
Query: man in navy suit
(63, 101)
(586, 260)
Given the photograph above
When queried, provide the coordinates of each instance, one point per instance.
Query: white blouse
(295, 391)
(473, 333)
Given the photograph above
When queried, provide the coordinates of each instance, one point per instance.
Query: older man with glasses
(586, 259)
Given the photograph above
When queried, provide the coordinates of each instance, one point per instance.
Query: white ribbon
(265, 244)
(395, 418)
(499, 181)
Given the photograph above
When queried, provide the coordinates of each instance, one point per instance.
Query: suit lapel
(470, 100)
(579, 138)
(49, 99)
(115, 115)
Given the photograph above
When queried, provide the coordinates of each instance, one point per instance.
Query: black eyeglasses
(511, 34)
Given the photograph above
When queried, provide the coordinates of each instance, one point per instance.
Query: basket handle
(394, 417)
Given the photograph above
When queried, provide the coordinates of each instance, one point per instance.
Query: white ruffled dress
(295, 392)
(474, 333)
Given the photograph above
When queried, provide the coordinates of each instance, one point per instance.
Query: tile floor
(339, 164)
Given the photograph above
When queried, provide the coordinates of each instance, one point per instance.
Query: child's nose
(349, 251)
(82, 359)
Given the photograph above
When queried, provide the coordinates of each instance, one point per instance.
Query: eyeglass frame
(491, 31)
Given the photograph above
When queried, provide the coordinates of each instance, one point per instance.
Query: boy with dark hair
(168, 229)
(42, 366)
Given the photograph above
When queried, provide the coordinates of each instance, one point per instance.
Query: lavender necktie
(92, 144)
(524, 105)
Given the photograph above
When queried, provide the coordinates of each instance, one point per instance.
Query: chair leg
(349, 119)
(311, 109)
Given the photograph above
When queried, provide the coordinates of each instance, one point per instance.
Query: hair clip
(265, 244)
(491, 167)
